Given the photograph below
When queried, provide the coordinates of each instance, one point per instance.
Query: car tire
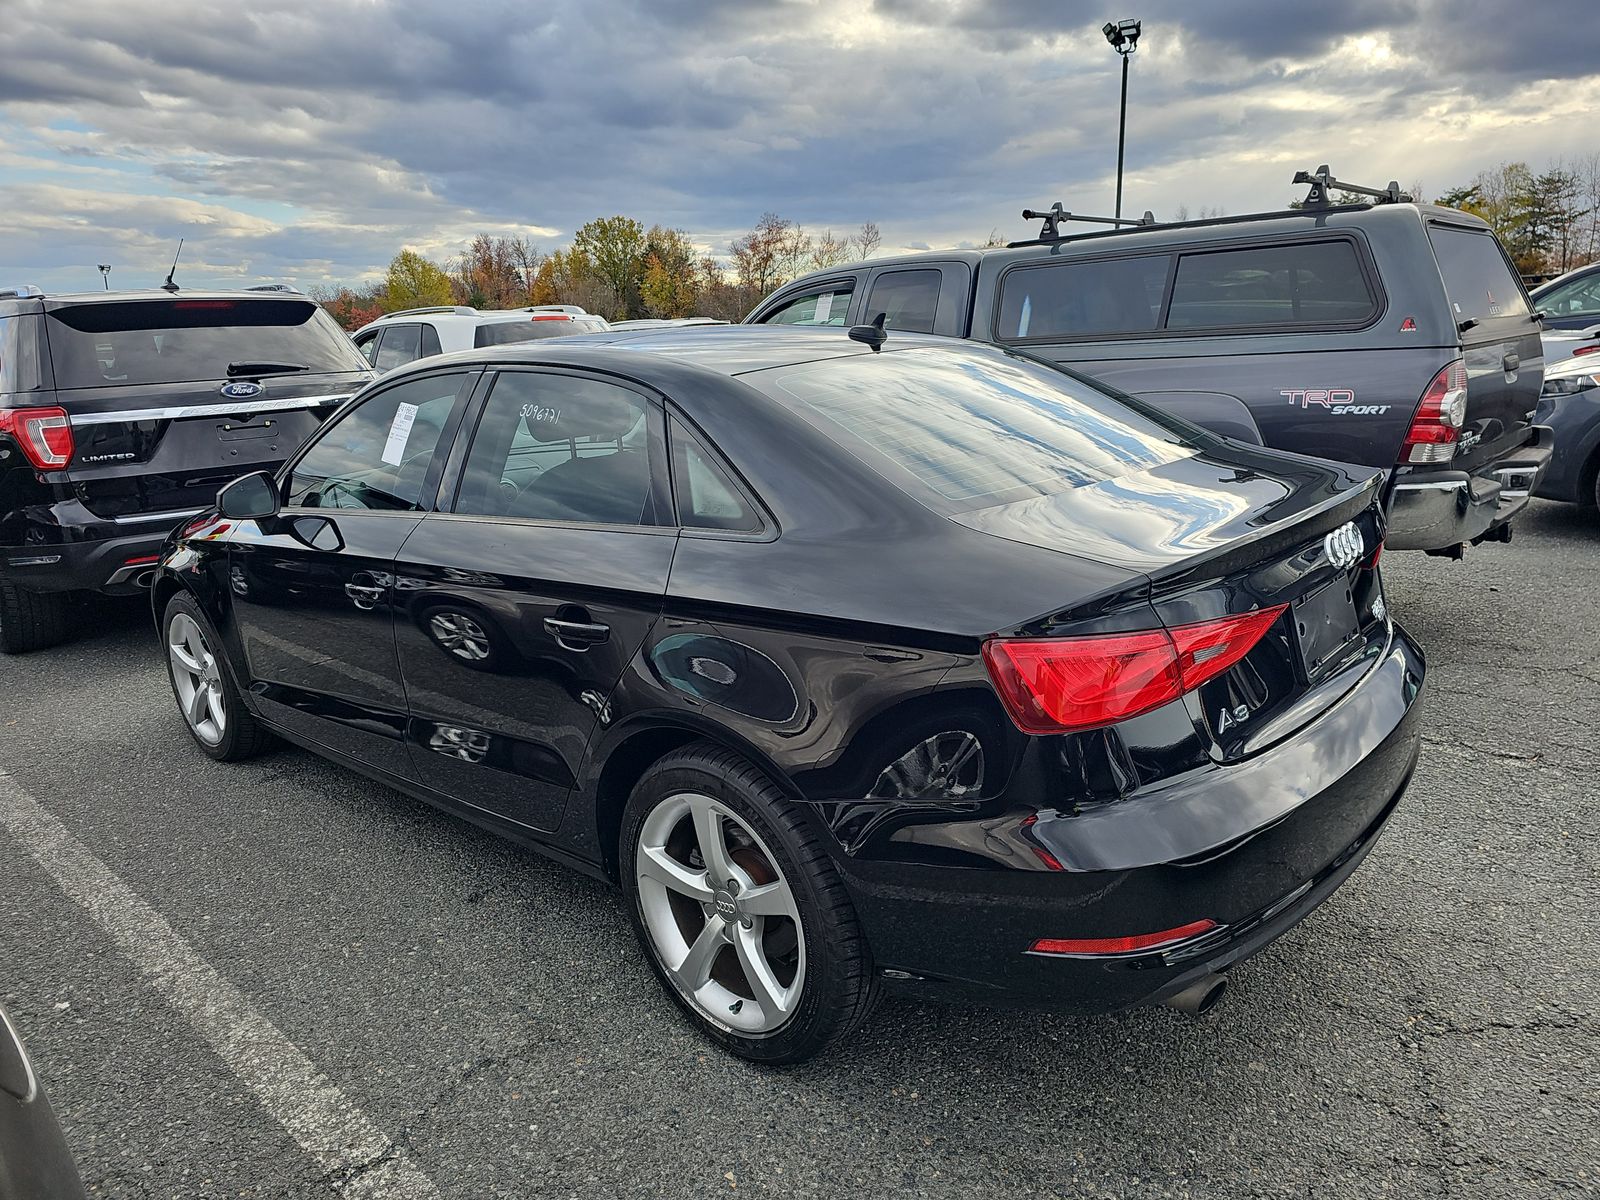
(30, 620)
(819, 981)
(209, 700)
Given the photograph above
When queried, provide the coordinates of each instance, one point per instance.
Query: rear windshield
(1477, 276)
(504, 333)
(130, 342)
(964, 430)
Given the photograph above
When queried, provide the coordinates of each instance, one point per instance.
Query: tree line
(615, 267)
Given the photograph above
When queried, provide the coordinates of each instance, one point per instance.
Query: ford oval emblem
(242, 389)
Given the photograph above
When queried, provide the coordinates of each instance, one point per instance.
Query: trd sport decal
(1340, 402)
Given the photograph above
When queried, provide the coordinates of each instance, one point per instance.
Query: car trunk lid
(1219, 535)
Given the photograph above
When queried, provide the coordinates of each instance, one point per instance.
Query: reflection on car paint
(727, 673)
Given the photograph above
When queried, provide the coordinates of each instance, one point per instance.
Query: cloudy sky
(309, 140)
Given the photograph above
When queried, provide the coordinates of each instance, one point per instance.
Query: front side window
(368, 345)
(1575, 299)
(553, 447)
(1299, 283)
(826, 307)
(1083, 298)
(401, 344)
(377, 455)
(908, 300)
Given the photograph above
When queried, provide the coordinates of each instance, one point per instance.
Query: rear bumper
(102, 557)
(1303, 815)
(1445, 508)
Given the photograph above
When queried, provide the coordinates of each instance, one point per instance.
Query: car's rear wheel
(203, 686)
(30, 620)
(740, 911)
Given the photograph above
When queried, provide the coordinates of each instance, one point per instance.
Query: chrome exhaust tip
(145, 578)
(1199, 997)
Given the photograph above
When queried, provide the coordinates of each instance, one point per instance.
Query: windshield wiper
(267, 367)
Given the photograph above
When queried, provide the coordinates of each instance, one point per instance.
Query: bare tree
(868, 239)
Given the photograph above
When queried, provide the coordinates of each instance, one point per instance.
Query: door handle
(1511, 362)
(577, 635)
(364, 596)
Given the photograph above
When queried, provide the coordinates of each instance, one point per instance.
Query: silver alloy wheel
(721, 917)
(197, 678)
(460, 634)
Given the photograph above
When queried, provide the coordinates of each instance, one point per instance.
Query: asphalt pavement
(1433, 1030)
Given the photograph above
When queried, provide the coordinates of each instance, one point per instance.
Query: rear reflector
(1066, 685)
(139, 559)
(1131, 944)
(43, 434)
(1440, 415)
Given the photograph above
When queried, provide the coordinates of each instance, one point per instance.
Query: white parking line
(358, 1158)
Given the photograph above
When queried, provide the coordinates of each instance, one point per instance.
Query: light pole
(1124, 38)
(105, 273)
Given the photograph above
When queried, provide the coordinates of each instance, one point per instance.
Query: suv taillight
(1065, 685)
(1440, 415)
(44, 434)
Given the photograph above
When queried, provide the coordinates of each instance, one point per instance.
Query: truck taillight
(43, 434)
(1440, 415)
(1064, 685)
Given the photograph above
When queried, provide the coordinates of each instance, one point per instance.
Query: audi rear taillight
(1065, 685)
(43, 434)
(1437, 425)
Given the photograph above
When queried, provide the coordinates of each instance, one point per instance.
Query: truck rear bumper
(1450, 507)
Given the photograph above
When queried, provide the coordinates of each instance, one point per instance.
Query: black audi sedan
(923, 665)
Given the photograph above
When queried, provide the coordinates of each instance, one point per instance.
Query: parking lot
(1431, 1031)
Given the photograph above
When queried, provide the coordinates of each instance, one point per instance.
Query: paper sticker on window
(394, 450)
(824, 307)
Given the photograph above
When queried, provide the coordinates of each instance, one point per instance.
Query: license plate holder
(1325, 624)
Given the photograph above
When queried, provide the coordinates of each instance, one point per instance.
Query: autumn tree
(496, 272)
(671, 282)
(414, 282)
(351, 307)
(769, 255)
(614, 249)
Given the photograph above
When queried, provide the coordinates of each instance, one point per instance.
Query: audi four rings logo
(1344, 545)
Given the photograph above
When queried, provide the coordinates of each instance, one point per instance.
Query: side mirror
(250, 498)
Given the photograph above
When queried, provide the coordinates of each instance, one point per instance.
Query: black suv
(1390, 334)
(122, 413)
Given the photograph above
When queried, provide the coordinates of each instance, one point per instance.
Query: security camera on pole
(1124, 38)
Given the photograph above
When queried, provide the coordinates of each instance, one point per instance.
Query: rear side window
(1084, 298)
(707, 497)
(1477, 275)
(962, 430)
(1301, 283)
(555, 447)
(401, 344)
(130, 342)
(826, 307)
(430, 342)
(907, 299)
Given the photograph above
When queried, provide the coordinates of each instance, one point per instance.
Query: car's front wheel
(740, 911)
(212, 708)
